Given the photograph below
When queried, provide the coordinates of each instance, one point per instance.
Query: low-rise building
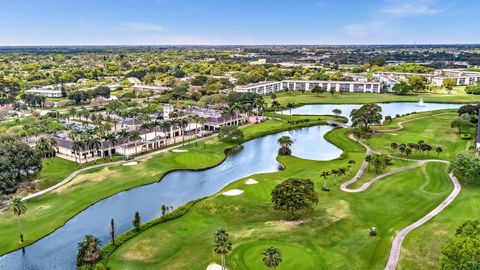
(214, 119)
(51, 91)
(153, 88)
(265, 88)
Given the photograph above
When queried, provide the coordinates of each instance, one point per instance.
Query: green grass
(56, 169)
(334, 237)
(309, 98)
(434, 130)
(50, 211)
(425, 243)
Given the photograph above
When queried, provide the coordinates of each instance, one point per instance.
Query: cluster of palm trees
(91, 142)
(339, 172)
(47, 147)
(419, 147)
(33, 100)
(379, 162)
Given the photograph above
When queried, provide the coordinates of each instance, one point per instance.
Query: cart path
(400, 236)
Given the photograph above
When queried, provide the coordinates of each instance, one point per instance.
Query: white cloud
(410, 8)
(140, 27)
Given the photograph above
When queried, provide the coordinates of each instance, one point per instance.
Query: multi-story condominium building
(51, 91)
(265, 88)
(214, 119)
(461, 76)
(153, 88)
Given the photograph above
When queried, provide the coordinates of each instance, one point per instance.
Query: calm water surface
(58, 250)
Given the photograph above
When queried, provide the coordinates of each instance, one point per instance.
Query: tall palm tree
(260, 105)
(183, 123)
(272, 257)
(124, 135)
(112, 140)
(146, 126)
(154, 125)
(325, 174)
(222, 244)
(19, 208)
(94, 143)
(77, 148)
(275, 105)
(173, 125)
(134, 136)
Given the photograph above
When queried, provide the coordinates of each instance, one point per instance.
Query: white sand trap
(233, 192)
(214, 266)
(133, 163)
(179, 151)
(394, 134)
(251, 182)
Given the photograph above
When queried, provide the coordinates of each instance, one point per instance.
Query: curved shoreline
(147, 155)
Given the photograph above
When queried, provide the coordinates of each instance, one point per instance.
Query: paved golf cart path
(400, 236)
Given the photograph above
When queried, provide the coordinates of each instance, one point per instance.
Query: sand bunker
(179, 151)
(251, 182)
(233, 192)
(133, 163)
(214, 266)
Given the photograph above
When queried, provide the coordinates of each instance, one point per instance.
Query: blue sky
(251, 22)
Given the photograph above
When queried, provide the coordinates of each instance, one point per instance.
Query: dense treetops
(461, 251)
(17, 162)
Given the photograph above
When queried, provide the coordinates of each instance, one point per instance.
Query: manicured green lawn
(309, 98)
(428, 240)
(50, 211)
(334, 237)
(56, 169)
(434, 130)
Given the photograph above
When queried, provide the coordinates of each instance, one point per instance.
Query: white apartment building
(153, 88)
(51, 91)
(265, 88)
(462, 77)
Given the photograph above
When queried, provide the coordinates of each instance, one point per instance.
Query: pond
(58, 250)
(390, 109)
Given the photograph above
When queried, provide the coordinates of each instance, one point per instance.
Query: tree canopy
(294, 197)
(366, 115)
(463, 250)
(230, 134)
(17, 162)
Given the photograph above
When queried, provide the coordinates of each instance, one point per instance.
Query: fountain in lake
(420, 103)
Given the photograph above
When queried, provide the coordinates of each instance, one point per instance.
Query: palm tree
(94, 144)
(146, 126)
(124, 135)
(335, 173)
(260, 105)
(77, 148)
(135, 137)
(368, 159)
(325, 174)
(222, 244)
(438, 150)
(183, 123)
(394, 147)
(88, 251)
(165, 126)
(71, 113)
(153, 125)
(272, 257)
(275, 105)
(19, 208)
(112, 141)
(285, 141)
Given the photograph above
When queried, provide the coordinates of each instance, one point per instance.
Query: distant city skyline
(246, 22)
